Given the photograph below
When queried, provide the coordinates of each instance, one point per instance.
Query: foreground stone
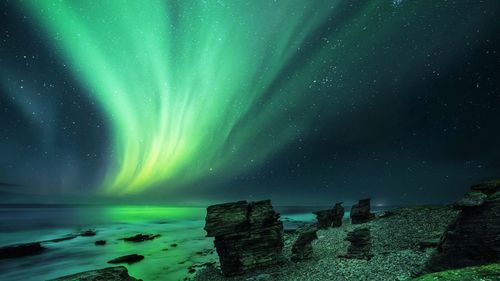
(360, 213)
(360, 247)
(116, 273)
(302, 248)
(474, 273)
(21, 250)
(247, 235)
(127, 259)
(474, 237)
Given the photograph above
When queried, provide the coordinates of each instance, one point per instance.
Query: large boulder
(338, 214)
(474, 237)
(115, 273)
(360, 213)
(247, 235)
(21, 250)
(302, 248)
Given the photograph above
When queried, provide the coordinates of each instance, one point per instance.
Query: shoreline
(395, 245)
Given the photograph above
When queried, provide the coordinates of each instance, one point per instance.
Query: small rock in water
(360, 213)
(100, 242)
(141, 237)
(127, 259)
(115, 273)
(87, 233)
(21, 250)
(173, 245)
(302, 248)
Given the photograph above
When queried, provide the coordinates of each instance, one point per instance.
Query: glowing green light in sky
(179, 79)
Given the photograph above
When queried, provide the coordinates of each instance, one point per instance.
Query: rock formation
(115, 273)
(21, 250)
(360, 213)
(360, 244)
(474, 237)
(302, 248)
(338, 215)
(128, 259)
(331, 217)
(140, 237)
(247, 235)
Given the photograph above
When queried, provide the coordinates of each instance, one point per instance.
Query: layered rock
(360, 213)
(331, 217)
(115, 273)
(302, 248)
(247, 235)
(474, 237)
(360, 247)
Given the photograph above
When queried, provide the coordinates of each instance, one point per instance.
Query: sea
(182, 242)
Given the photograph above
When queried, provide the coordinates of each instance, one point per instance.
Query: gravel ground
(395, 245)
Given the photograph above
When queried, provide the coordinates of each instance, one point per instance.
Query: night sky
(303, 102)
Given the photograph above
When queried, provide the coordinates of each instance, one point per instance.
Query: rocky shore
(396, 245)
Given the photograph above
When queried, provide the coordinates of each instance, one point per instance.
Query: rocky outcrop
(100, 242)
(247, 235)
(360, 213)
(331, 217)
(115, 273)
(141, 237)
(474, 237)
(302, 248)
(360, 247)
(21, 250)
(128, 259)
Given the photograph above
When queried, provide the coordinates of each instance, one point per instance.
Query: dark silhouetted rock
(302, 248)
(87, 233)
(141, 237)
(324, 218)
(100, 242)
(360, 213)
(127, 259)
(474, 237)
(338, 215)
(115, 273)
(360, 244)
(21, 250)
(247, 235)
(331, 217)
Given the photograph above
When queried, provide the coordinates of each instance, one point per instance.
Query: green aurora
(197, 90)
(178, 78)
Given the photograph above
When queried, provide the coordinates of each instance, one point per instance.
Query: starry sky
(303, 102)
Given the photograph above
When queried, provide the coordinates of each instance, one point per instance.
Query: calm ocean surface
(180, 225)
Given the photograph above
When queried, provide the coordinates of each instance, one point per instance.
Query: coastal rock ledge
(115, 273)
(247, 235)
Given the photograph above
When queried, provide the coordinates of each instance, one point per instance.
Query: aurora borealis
(186, 98)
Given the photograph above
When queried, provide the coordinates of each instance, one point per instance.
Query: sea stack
(302, 248)
(338, 214)
(331, 217)
(247, 235)
(474, 237)
(360, 213)
(360, 244)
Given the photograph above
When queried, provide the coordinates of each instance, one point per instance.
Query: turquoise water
(182, 226)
